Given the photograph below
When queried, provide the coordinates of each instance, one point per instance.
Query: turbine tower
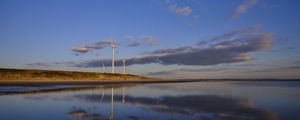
(103, 68)
(123, 98)
(111, 115)
(113, 46)
(124, 66)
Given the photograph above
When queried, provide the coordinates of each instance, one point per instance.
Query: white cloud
(242, 8)
(184, 11)
(195, 17)
(149, 40)
(94, 46)
(80, 49)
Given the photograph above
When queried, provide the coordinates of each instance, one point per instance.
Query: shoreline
(103, 82)
(84, 82)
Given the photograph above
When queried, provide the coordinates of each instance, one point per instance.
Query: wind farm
(23, 76)
(149, 60)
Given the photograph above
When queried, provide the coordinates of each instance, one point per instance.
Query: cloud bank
(230, 48)
(39, 64)
(176, 71)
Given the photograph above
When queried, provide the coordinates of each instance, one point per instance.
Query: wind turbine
(124, 66)
(113, 46)
(103, 66)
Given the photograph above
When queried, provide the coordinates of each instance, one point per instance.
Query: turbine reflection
(111, 115)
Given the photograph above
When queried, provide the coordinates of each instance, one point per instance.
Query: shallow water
(229, 100)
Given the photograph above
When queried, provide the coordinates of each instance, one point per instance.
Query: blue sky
(159, 38)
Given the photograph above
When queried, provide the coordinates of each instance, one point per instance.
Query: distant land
(52, 77)
(28, 74)
(47, 77)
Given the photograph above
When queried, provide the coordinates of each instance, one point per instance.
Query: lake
(229, 100)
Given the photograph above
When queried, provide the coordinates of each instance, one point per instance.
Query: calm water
(169, 101)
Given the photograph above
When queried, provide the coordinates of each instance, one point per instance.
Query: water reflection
(56, 89)
(199, 106)
(148, 102)
(83, 114)
(111, 115)
(123, 94)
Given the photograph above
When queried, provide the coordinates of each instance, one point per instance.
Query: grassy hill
(24, 74)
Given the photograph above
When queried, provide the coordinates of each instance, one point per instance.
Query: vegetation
(23, 74)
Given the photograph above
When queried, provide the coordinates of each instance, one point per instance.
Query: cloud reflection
(201, 106)
(83, 114)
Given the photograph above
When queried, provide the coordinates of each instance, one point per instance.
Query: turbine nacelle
(113, 44)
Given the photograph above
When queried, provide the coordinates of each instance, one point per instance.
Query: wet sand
(83, 82)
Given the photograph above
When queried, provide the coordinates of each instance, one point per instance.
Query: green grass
(24, 74)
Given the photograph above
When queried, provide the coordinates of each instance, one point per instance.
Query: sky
(173, 39)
